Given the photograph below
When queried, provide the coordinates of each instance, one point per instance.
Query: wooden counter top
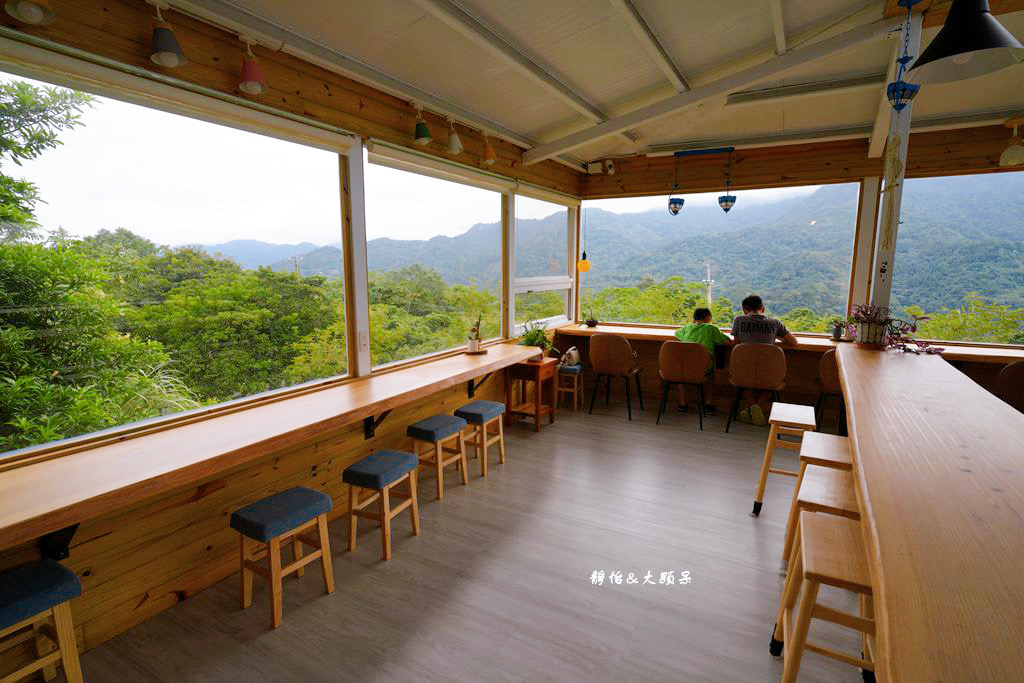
(979, 354)
(939, 463)
(51, 494)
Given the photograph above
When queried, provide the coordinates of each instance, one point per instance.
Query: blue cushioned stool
(570, 381)
(481, 415)
(379, 472)
(267, 524)
(29, 596)
(435, 432)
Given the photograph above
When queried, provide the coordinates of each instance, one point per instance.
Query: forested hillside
(959, 235)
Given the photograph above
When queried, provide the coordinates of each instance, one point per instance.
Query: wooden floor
(498, 586)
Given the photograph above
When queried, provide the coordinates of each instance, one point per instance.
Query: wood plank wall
(936, 153)
(148, 557)
(121, 30)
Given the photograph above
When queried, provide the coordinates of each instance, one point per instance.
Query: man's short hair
(753, 303)
(701, 314)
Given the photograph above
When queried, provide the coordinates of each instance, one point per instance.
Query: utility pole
(708, 281)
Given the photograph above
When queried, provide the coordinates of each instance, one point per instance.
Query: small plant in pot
(473, 344)
(535, 334)
(840, 327)
(589, 319)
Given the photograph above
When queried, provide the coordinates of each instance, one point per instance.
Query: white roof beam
(230, 17)
(742, 79)
(778, 27)
(880, 130)
(470, 27)
(645, 35)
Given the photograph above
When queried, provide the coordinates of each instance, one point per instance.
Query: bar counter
(939, 465)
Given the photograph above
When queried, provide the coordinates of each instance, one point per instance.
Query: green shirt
(703, 333)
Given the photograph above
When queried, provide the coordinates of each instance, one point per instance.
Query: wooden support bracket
(55, 545)
(370, 424)
(472, 386)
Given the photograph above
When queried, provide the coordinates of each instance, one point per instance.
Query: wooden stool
(828, 550)
(30, 595)
(822, 489)
(379, 472)
(574, 387)
(435, 432)
(823, 450)
(480, 415)
(786, 419)
(274, 521)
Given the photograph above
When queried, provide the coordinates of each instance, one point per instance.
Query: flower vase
(474, 345)
(871, 334)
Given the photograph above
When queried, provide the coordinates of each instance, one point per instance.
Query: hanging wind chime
(727, 200)
(583, 265)
(899, 92)
(675, 204)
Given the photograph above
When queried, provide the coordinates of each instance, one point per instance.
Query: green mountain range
(958, 235)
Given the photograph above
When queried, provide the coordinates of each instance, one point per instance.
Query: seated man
(754, 327)
(702, 332)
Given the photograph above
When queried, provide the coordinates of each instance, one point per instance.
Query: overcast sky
(176, 180)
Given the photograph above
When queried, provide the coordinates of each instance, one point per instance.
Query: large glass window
(960, 257)
(793, 247)
(434, 256)
(152, 263)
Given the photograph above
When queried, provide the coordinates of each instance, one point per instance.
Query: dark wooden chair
(757, 367)
(1010, 383)
(828, 385)
(686, 364)
(612, 356)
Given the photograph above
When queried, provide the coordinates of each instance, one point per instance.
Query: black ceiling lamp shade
(971, 43)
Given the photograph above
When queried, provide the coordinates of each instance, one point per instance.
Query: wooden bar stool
(379, 472)
(822, 489)
(786, 419)
(828, 385)
(574, 385)
(435, 432)
(274, 521)
(31, 595)
(829, 550)
(480, 415)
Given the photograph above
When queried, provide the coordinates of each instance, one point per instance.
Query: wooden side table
(539, 373)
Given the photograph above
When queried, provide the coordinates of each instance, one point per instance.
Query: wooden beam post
(895, 164)
(864, 242)
(357, 284)
(508, 264)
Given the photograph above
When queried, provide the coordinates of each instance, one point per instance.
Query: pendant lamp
(489, 154)
(899, 92)
(34, 12)
(675, 204)
(727, 201)
(166, 51)
(1013, 155)
(454, 141)
(583, 265)
(252, 81)
(421, 134)
(971, 43)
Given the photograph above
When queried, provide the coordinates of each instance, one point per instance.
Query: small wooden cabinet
(542, 373)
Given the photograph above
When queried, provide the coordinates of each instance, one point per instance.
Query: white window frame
(547, 283)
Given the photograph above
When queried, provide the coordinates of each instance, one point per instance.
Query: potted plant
(473, 344)
(877, 328)
(840, 327)
(872, 324)
(535, 334)
(589, 319)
